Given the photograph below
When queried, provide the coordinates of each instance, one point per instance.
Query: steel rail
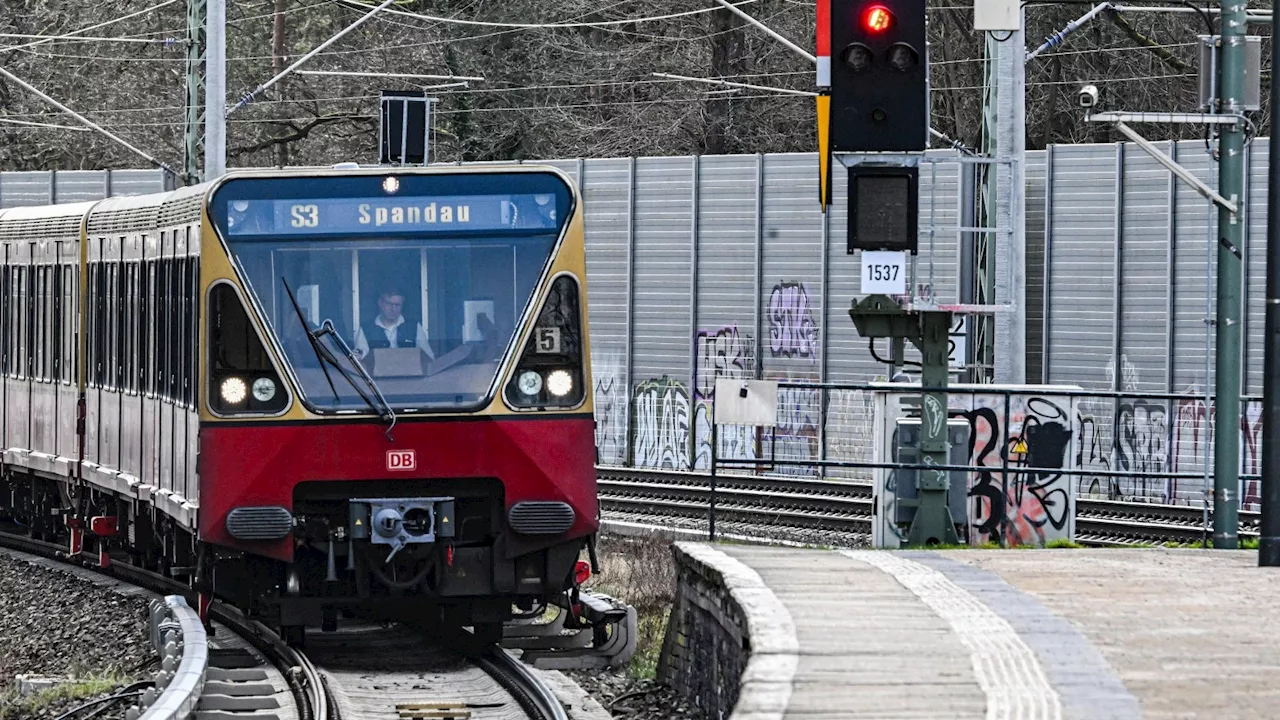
(813, 504)
(309, 694)
(533, 695)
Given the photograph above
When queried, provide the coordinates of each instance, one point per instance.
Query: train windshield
(424, 279)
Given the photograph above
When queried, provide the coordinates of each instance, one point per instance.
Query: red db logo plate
(401, 460)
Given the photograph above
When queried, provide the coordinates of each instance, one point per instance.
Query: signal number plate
(547, 340)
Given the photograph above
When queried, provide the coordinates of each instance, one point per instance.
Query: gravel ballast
(59, 624)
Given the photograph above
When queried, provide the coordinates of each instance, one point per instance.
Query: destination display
(430, 214)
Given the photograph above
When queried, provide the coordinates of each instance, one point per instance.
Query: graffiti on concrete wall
(610, 392)
(849, 430)
(1031, 505)
(660, 438)
(722, 353)
(1251, 453)
(796, 436)
(792, 329)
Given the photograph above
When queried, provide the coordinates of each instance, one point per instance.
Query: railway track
(830, 512)
(366, 670)
(796, 510)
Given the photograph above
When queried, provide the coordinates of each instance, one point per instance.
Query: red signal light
(877, 19)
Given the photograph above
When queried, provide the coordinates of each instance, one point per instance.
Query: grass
(641, 572)
(14, 707)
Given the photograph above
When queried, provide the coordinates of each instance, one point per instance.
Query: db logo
(401, 460)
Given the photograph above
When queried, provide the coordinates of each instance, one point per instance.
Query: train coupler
(595, 632)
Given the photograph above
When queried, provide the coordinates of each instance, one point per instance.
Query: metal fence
(21, 189)
(1026, 454)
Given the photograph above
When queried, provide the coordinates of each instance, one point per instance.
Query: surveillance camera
(1088, 96)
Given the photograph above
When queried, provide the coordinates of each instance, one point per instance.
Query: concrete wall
(731, 646)
(706, 646)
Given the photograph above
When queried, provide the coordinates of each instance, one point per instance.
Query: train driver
(390, 328)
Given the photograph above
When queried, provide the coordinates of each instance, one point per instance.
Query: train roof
(43, 221)
(172, 208)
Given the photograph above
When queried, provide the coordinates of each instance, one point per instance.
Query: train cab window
(242, 378)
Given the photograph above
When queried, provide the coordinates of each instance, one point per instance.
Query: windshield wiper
(323, 355)
(327, 328)
(311, 339)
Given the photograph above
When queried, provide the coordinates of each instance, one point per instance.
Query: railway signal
(879, 76)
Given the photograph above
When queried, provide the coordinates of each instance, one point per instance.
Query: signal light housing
(879, 82)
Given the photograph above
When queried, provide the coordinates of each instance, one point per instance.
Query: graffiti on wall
(849, 430)
(610, 394)
(796, 436)
(661, 421)
(722, 353)
(792, 330)
(1032, 506)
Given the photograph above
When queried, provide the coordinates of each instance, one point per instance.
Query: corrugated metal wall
(20, 189)
(1130, 283)
(725, 266)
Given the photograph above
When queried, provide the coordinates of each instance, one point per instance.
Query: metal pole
(711, 507)
(197, 14)
(1226, 457)
(1269, 537)
(215, 92)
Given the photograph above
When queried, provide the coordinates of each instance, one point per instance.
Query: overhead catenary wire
(543, 26)
(83, 120)
(83, 30)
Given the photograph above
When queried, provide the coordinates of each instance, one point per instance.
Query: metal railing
(179, 637)
(1095, 445)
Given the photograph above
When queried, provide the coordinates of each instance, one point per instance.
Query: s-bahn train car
(312, 390)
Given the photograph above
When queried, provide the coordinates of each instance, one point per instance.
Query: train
(313, 391)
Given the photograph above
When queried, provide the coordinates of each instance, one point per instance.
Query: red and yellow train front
(394, 399)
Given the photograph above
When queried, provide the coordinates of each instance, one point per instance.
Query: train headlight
(560, 383)
(264, 389)
(530, 382)
(234, 390)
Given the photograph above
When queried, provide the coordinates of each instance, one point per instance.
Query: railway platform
(1070, 633)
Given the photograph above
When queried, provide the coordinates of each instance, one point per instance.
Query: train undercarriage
(417, 552)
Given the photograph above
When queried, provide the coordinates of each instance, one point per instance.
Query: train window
(166, 306)
(97, 328)
(144, 334)
(188, 297)
(171, 332)
(56, 322)
(4, 319)
(24, 337)
(46, 327)
(90, 322)
(37, 320)
(121, 298)
(242, 378)
(132, 309)
(193, 325)
(15, 324)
